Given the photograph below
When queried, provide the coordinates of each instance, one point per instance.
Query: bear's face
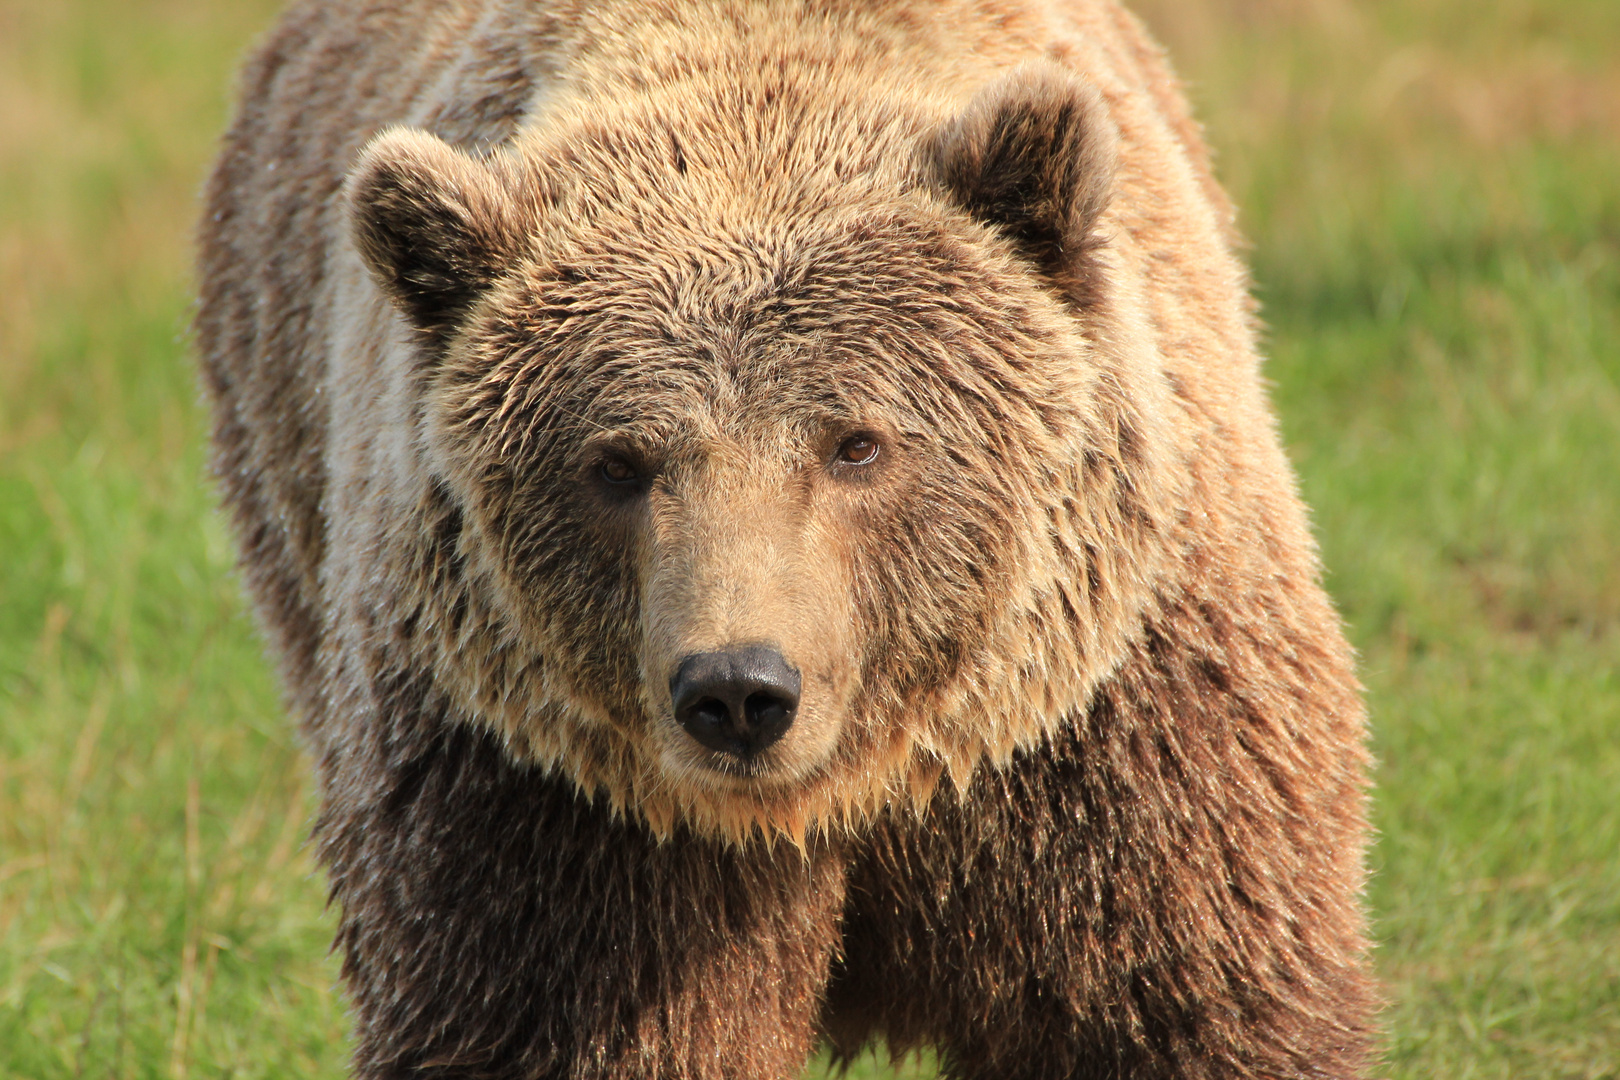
(693, 452)
(782, 496)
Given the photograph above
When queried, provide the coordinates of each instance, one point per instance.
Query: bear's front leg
(1167, 889)
(497, 924)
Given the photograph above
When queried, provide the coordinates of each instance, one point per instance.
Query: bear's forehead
(757, 331)
(846, 260)
(772, 281)
(741, 204)
(839, 309)
(829, 279)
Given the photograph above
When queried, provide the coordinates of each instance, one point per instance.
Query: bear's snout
(736, 702)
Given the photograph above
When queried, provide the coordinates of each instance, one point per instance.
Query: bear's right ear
(435, 226)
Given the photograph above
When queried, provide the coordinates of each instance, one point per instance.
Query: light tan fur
(1176, 348)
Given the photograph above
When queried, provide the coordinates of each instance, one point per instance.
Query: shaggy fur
(1075, 786)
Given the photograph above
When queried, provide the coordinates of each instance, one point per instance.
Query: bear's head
(797, 450)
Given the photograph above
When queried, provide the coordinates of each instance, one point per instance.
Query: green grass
(1433, 192)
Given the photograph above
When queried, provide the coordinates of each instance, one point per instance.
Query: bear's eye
(858, 450)
(616, 470)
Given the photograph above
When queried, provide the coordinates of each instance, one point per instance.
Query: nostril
(763, 710)
(712, 710)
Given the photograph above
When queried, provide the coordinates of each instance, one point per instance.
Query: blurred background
(1432, 192)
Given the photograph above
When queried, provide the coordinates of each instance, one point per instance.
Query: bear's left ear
(1033, 155)
(436, 227)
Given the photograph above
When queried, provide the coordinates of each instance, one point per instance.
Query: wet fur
(1082, 794)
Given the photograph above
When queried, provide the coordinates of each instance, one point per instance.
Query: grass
(1432, 188)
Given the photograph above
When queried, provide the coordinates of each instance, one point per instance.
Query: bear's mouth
(781, 766)
(742, 767)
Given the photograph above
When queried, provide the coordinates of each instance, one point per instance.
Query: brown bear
(768, 514)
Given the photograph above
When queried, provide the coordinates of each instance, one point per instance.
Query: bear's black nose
(736, 702)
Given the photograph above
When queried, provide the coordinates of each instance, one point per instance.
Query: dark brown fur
(1076, 788)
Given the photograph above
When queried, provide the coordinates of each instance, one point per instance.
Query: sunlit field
(1432, 192)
